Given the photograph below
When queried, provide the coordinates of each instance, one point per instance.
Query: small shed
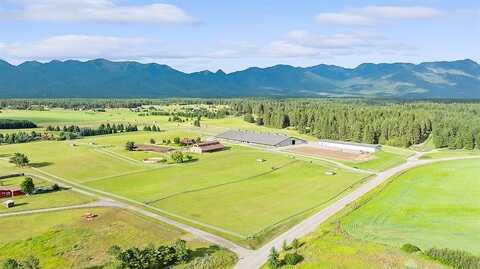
(9, 203)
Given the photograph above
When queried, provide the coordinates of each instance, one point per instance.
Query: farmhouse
(210, 146)
(348, 146)
(266, 139)
(10, 191)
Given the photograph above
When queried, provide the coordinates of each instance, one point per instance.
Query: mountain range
(104, 79)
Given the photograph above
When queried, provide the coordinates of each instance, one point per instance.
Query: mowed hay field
(436, 205)
(66, 240)
(232, 190)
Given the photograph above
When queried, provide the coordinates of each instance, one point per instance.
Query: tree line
(453, 125)
(16, 124)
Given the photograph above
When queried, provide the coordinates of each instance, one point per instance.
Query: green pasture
(44, 200)
(76, 163)
(85, 118)
(435, 205)
(449, 153)
(254, 206)
(65, 239)
(210, 170)
(232, 190)
(386, 158)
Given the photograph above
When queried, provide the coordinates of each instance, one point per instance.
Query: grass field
(326, 249)
(75, 163)
(66, 240)
(435, 205)
(242, 194)
(386, 158)
(447, 153)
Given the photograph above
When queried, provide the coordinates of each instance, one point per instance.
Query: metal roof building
(343, 145)
(266, 139)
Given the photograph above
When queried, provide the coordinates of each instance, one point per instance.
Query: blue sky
(233, 35)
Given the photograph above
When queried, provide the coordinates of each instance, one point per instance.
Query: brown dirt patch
(316, 151)
(153, 148)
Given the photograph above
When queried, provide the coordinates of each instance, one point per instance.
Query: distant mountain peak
(105, 78)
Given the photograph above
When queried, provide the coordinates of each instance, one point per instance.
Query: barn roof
(10, 188)
(350, 143)
(252, 137)
(210, 146)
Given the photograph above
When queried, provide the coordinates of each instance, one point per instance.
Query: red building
(10, 191)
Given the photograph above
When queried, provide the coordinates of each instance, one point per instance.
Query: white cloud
(97, 11)
(86, 47)
(369, 15)
(305, 44)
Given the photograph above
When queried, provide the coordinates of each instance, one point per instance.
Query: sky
(234, 35)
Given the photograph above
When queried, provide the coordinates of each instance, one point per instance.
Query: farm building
(187, 142)
(348, 146)
(10, 191)
(207, 147)
(267, 139)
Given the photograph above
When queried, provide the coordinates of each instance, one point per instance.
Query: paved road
(257, 258)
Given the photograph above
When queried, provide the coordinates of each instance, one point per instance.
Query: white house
(348, 146)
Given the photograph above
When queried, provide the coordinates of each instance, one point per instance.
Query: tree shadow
(6, 155)
(202, 252)
(20, 204)
(41, 164)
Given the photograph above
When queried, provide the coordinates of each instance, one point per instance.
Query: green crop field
(435, 205)
(65, 239)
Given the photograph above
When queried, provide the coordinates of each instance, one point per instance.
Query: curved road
(250, 259)
(257, 258)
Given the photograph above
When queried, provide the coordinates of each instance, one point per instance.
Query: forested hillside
(104, 79)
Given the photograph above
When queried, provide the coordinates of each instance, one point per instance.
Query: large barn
(348, 146)
(266, 139)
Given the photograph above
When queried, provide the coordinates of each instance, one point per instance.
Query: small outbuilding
(10, 191)
(209, 146)
(9, 203)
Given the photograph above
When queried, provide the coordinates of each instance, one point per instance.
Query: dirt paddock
(153, 148)
(317, 151)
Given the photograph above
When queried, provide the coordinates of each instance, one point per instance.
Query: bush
(455, 258)
(409, 248)
(55, 187)
(292, 258)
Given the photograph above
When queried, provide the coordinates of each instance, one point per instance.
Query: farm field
(326, 249)
(66, 240)
(435, 205)
(386, 158)
(77, 163)
(239, 193)
(447, 153)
